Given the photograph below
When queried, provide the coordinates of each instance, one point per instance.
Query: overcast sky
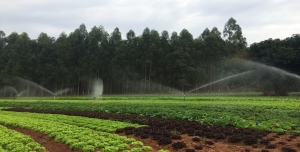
(259, 19)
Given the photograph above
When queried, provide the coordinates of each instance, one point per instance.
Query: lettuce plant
(110, 149)
(137, 144)
(78, 138)
(88, 148)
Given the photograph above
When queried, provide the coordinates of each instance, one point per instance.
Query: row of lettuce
(17, 142)
(79, 133)
(263, 113)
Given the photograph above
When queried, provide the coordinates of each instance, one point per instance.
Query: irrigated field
(153, 122)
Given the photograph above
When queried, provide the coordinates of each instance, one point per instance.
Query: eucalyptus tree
(271, 52)
(115, 40)
(17, 48)
(293, 44)
(169, 59)
(46, 62)
(2, 47)
(10, 53)
(134, 67)
(205, 33)
(18, 58)
(199, 59)
(183, 66)
(214, 54)
(98, 52)
(283, 54)
(63, 58)
(165, 50)
(154, 57)
(78, 45)
(145, 54)
(174, 41)
(2, 41)
(233, 35)
(130, 35)
(10, 58)
(216, 32)
(121, 70)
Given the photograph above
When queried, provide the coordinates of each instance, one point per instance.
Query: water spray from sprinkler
(97, 90)
(13, 101)
(93, 106)
(229, 77)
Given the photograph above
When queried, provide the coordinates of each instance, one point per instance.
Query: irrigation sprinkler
(13, 101)
(93, 106)
(229, 77)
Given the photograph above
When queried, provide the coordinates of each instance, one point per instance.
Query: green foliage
(283, 54)
(178, 61)
(16, 142)
(123, 146)
(242, 111)
(110, 149)
(147, 148)
(136, 150)
(88, 148)
(74, 131)
(77, 146)
(137, 144)
(161, 150)
(278, 114)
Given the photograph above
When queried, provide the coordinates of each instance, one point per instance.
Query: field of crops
(272, 114)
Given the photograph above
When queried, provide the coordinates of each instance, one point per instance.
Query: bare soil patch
(49, 143)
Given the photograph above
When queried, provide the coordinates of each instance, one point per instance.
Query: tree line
(149, 63)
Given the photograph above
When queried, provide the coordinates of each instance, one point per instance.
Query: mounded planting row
(91, 123)
(164, 131)
(260, 113)
(78, 138)
(14, 141)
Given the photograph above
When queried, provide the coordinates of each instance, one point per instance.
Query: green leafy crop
(78, 137)
(14, 141)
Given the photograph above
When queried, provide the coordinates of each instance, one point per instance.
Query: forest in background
(149, 63)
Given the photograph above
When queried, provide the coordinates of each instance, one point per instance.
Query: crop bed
(14, 141)
(183, 135)
(78, 133)
(157, 123)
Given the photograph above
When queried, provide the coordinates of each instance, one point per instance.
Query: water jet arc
(36, 85)
(236, 75)
(9, 89)
(260, 66)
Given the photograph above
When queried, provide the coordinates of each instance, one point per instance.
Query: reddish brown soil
(218, 146)
(224, 146)
(164, 133)
(49, 143)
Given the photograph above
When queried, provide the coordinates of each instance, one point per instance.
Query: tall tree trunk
(145, 84)
(62, 86)
(78, 86)
(27, 89)
(150, 79)
(4, 91)
(42, 91)
(126, 83)
(88, 92)
(55, 87)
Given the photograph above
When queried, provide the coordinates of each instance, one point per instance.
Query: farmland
(134, 118)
